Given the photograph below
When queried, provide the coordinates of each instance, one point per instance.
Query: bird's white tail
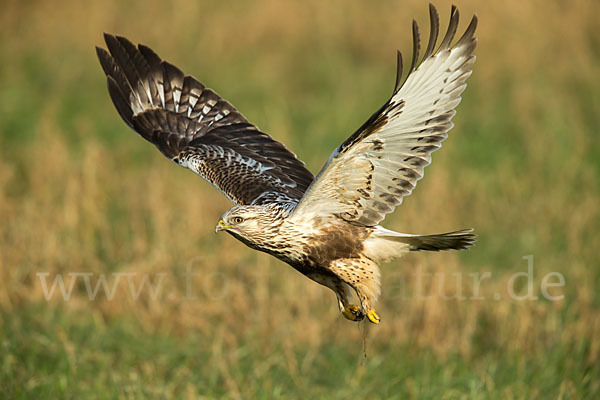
(384, 244)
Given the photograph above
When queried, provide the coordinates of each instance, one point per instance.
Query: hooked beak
(221, 226)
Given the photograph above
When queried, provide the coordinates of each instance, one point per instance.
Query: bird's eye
(238, 220)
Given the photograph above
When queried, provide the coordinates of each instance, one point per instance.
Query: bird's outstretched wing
(196, 128)
(369, 174)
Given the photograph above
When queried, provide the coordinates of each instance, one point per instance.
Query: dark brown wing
(195, 127)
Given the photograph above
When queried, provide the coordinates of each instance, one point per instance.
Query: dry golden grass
(80, 193)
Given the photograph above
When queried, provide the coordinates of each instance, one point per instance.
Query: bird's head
(248, 222)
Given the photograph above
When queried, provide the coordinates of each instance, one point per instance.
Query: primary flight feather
(325, 227)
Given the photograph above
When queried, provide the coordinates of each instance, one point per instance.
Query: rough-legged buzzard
(326, 227)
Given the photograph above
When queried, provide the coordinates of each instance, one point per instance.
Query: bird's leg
(373, 317)
(343, 292)
(362, 275)
(367, 308)
(352, 312)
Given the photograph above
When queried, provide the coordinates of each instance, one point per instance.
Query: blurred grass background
(82, 193)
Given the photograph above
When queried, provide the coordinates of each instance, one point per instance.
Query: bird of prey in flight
(326, 227)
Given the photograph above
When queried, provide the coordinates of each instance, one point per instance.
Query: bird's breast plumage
(313, 243)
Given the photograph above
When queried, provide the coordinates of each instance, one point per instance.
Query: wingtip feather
(121, 104)
(469, 32)
(452, 26)
(434, 22)
(105, 59)
(416, 46)
(398, 71)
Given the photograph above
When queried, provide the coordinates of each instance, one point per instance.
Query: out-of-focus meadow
(83, 194)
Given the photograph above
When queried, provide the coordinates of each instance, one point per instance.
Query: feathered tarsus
(326, 227)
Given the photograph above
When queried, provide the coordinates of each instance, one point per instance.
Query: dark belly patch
(335, 242)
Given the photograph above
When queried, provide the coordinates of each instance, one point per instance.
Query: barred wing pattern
(369, 174)
(196, 128)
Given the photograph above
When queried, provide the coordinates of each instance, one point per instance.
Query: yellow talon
(373, 317)
(353, 313)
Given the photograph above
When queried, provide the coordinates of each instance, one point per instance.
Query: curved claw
(373, 317)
